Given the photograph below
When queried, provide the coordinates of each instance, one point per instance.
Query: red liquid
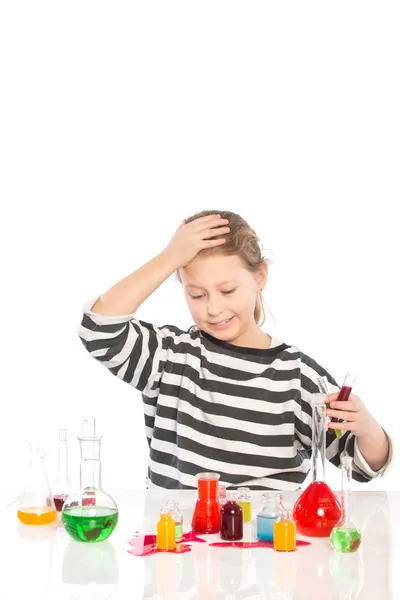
(231, 521)
(206, 516)
(343, 396)
(258, 544)
(317, 511)
(59, 500)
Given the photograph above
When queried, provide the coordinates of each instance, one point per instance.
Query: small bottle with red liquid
(206, 516)
(231, 520)
(317, 510)
(62, 487)
(344, 395)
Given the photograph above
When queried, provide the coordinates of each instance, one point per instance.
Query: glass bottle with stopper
(270, 510)
(62, 487)
(345, 536)
(36, 505)
(173, 506)
(317, 510)
(90, 514)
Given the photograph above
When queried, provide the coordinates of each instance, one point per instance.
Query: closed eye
(195, 297)
(228, 291)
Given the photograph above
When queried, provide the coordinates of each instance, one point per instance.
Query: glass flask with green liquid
(90, 514)
(345, 536)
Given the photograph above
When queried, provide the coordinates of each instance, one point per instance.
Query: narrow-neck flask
(345, 536)
(317, 510)
(206, 515)
(90, 514)
(62, 487)
(36, 505)
(271, 508)
(173, 506)
(221, 493)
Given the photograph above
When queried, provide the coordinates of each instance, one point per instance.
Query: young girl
(223, 396)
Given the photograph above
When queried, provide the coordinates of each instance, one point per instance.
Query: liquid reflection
(27, 560)
(89, 571)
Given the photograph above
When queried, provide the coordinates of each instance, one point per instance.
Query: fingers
(345, 406)
(208, 222)
(212, 243)
(343, 426)
(341, 414)
(210, 233)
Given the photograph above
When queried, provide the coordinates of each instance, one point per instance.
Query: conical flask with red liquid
(207, 513)
(317, 510)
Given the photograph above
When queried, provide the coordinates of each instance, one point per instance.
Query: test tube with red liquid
(344, 395)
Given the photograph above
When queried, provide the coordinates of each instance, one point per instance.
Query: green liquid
(178, 532)
(345, 540)
(89, 523)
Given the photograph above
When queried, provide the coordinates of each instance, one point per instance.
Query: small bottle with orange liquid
(36, 504)
(166, 530)
(285, 533)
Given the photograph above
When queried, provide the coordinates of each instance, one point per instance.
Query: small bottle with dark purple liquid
(231, 520)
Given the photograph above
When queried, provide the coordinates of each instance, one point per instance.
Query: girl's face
(221, 294)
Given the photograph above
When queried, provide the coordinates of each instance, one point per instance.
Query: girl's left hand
(358, 419)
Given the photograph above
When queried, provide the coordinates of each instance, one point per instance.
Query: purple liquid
(343, 396)
(231, 521)
(59, 500)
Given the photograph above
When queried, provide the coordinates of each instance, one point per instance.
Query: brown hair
(243, 241)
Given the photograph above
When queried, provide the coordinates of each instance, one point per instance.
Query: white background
(120, 119)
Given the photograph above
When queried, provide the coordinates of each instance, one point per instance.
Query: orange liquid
(166, 533)
(37, 516)
(284, 536)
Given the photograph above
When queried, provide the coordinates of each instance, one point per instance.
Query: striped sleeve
(335, 447)
(133, 350)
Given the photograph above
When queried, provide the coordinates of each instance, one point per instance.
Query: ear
(261, 276)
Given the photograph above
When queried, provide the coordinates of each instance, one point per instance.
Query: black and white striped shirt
(244, 413)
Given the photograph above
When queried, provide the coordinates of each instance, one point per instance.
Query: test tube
(345, 392)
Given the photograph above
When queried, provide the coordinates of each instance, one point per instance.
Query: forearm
(374, 446)
(127, 295)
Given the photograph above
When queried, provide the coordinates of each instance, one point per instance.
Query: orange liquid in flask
(37, 516)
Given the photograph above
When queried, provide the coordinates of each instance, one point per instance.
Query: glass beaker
(206, 516)
(36, 505)
(271, 508)
(90, 514)
(345, 536)
(62, 487)
(231, 520)
(317, 510)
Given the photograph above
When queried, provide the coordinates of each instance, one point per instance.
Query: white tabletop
(44, 563)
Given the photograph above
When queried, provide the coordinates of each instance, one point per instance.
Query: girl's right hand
(197, 235)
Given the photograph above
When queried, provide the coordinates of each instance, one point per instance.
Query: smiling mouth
(221, 323)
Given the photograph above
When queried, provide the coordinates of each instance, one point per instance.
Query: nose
(214, 306)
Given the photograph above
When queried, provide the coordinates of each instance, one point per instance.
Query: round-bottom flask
(90, 514)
